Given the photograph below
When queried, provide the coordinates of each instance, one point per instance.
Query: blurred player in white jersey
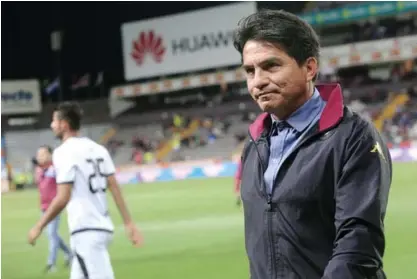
(84, 171)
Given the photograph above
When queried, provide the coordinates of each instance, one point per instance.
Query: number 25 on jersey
(97, 180)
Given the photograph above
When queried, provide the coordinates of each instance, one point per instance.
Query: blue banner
(359, 11)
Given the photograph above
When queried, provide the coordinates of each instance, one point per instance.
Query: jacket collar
(330, 117)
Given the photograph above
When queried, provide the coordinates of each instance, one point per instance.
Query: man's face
(274, 79)
(57, 125)
(43, 157)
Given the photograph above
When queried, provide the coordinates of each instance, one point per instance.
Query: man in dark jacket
(315, 176)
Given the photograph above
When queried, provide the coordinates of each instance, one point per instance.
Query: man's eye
(249, 71)
(272, 65)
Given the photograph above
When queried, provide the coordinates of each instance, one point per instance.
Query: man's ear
(312, 69)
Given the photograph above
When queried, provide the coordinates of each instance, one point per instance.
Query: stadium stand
(211, 121)
(178, 122)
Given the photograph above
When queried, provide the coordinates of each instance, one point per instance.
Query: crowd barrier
(210, 168)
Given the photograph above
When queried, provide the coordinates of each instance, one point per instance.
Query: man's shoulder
(68, 150)
(353, 125)
(78, 144)
(89, 143)
(356, 129)
(59, 151)
(100, 149)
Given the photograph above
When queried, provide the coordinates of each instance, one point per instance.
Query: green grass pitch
(192, 229)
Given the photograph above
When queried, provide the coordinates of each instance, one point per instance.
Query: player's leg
(78, 267)
(68, 254)
(238, 201)
(53, 245)
(237, 191)
(91, 258)
(61, 243)
(105, 256)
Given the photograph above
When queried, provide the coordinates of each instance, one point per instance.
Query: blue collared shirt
(284, 137)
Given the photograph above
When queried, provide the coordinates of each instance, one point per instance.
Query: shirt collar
(305, 114)
(46, 166)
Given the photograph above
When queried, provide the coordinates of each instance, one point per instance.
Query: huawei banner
(181, 43)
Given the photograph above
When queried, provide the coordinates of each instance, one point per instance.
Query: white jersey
(86, 165)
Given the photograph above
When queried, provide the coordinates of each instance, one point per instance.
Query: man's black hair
(295, 36)
(72, 113)
(48, 148)
(34, 162)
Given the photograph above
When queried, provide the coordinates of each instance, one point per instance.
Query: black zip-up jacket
(324, 217)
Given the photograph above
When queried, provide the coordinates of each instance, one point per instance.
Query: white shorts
(91, 258)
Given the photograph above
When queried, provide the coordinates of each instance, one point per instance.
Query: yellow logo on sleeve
(377, 148)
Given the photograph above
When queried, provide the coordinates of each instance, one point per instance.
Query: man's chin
(277, 109)
(268, 106)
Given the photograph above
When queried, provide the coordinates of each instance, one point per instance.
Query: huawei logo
(147, 42)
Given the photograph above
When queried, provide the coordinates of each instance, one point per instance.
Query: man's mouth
(260, 95)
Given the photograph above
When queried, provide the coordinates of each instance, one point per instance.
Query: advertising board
(184, 42)
(20, 97)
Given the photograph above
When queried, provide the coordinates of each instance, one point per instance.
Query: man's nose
(260, 80)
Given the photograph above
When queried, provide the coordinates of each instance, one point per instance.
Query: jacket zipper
(268, 197)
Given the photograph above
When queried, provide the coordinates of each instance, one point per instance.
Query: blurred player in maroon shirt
(45, 180)
(237, 183)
